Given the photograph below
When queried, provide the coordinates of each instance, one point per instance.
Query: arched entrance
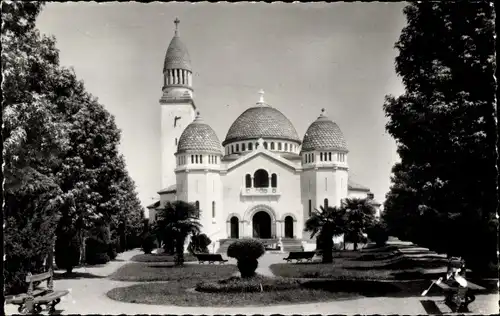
(288, 227)
(261, 222)
(235, 227)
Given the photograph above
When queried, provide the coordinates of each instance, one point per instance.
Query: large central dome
(261, 121)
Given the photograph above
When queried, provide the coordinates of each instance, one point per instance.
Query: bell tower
(177, 104)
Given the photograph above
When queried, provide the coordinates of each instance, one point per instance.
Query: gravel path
(88, 296)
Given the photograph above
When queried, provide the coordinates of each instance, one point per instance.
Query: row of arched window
(308, 158)
(197, 205)
(197, 159)
(325, 205)
(279, 146)
(261, 180)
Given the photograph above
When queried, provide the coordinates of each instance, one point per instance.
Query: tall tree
(178, 219)
(444, 189)
(359, 217)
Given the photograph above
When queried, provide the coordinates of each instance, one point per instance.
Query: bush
(96, 251)
(148, 242)
(199, 244)
(378, 234)
(67, 252)
(246, 252)
(113, 248)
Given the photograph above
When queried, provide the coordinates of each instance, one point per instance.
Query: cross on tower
(176, 21)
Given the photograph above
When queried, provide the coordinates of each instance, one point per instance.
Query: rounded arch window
(274, 180)
(326, 203)
(197, 205)
(261, 179)
(250, 146)
(265, 145)
(272, 146)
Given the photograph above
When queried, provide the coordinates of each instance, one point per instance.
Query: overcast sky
(337, 56)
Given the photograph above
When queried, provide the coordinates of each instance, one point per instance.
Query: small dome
(199, 136)
(261, 121)
(177, 56)
(323, 134)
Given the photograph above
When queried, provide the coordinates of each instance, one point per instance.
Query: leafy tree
(326, 224)
(445, 129)
(178, 219)
(359, 216)
(246, 252)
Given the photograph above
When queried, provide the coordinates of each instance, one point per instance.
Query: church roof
(356, 186)
(170, 189)
(177, 56)
(261, 121)
(324, 134)
(199, 136)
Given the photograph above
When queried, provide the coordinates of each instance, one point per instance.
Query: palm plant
(359, 216)
(326, 224)
(177, 220)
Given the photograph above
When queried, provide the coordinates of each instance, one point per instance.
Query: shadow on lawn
(76, 275)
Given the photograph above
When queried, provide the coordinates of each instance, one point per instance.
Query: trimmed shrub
(246, 252)
(113, 248)
(378, 234)
(148, 242)
(199, 244)
(96, 251)
(67, 252)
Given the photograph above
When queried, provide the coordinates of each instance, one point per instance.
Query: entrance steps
(289, 244)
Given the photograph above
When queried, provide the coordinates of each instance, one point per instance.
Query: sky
(337, 56)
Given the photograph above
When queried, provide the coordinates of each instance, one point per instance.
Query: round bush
(246, 249)
(96, 250)
(378, 234)
(246, 252)
(148, 243)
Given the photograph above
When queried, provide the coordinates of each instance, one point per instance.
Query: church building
(263, 180)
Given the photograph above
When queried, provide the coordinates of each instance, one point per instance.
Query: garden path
(88, 296)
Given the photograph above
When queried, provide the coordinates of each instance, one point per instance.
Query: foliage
(67, 247)
(162, 257)
(378, 233)
(177, 220)
(326, 224)
(445, 130)
(246, 252)
(97, 245)
(148, 242)
(199, 244)
(359, 216)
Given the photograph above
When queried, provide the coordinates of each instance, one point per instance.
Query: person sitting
(458, 297)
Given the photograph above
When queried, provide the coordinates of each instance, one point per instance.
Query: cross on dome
(176, 21)
(261, 99)
(261, 142)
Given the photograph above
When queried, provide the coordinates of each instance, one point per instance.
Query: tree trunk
(179, 251)
(327, 250)
(355, 246)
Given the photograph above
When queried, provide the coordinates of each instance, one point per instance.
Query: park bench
(210, 258)
(32, 301)
(300, 255)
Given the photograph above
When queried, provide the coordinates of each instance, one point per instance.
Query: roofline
(231, 140)
(265, 152)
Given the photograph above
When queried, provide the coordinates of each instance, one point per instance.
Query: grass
(183, 294)
(257, 283)
(161, 258)
(142, 272)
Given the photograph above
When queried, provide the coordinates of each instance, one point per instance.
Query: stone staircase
(290, 244)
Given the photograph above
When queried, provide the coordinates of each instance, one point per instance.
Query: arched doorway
(235, 227)
(288, 227)
(261, 225)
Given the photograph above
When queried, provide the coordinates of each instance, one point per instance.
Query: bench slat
(39, 277)
(50, 297)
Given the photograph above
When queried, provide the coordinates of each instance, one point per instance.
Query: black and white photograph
(276, 158)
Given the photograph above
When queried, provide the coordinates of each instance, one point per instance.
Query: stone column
(228, 228)
(170, 77)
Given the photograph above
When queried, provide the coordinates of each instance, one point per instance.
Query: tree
(67, 246)
(199, 244)
(445, 130)
(178, 219)
(326, 224)
(359, 216)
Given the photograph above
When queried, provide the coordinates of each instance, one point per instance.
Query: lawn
(184, 294)
(142, 272)
(161, 258)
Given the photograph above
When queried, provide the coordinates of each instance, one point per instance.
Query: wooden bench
(210, 258)
(300, 255)
(32, 301)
